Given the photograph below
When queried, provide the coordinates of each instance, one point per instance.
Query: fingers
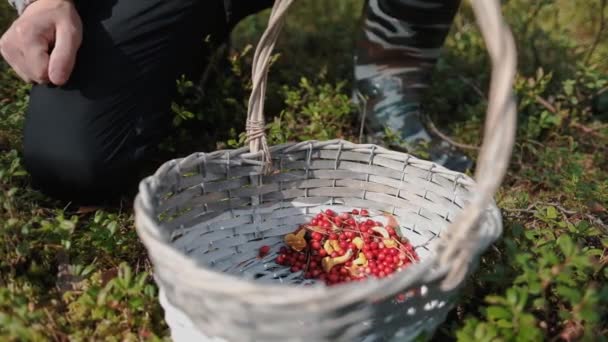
(37, 62)
(63, 57)
(27, 53)
(14, 57)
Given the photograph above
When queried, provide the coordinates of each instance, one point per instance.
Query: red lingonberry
(343, 244)
(301, 257)
(295, 269)
(333, 277)
(374, 245)
(283, 250)
(334, 254)
(338, 221)
(314, 222)
(330, 213)
(322, 253)
(355, 211)
(364, 229)
(381, 274)
(349, 235)
(345, 216)
(343, 271)
(333, 236)
(316, 245)
(369, 222)
(264, 250)
(364, 212)
(317, 236)
(313, 264)
(352, 246)
(316, 273)
(348, 263)
(326, 225)
(341, 252)
(342, 236)
(320, 217)
(391, 231)
(381, 256)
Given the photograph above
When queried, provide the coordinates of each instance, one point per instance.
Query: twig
(363, 102)
(472, 85)
(450, 140)
(600, 31)
(534, 13)
(588, 130)
(546, 104)
(528, 210)
(533, 208)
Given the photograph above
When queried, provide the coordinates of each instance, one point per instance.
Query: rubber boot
(396, 51)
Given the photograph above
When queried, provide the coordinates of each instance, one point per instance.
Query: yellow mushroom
(296, 241)
(361, 260)
(382, 231)
(328, 248)
(335, 244)
(390, 243)
(358, 242)
(355, 271)
(328, 262)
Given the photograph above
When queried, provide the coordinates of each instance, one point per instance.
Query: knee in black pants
(78, 150)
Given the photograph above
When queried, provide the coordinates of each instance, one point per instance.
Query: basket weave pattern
(220, 209)
(203, 219)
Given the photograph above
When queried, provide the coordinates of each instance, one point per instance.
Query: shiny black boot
(396, 52)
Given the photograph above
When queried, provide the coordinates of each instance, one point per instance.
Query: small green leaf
(512, 296)
(504, 324)
(551, 213)
(112, 227)
(571, 294)
(566, 245)
(498, 312)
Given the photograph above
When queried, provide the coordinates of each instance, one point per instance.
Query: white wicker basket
(204, 217)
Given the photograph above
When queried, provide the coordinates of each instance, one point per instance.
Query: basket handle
(255, 126)
(456, 247)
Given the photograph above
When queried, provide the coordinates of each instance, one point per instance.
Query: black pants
(84, 141)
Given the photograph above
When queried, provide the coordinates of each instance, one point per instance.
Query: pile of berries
(342, 247)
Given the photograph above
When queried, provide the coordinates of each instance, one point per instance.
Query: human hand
(41, 45)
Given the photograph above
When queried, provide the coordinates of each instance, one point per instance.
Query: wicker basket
(204, 217)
